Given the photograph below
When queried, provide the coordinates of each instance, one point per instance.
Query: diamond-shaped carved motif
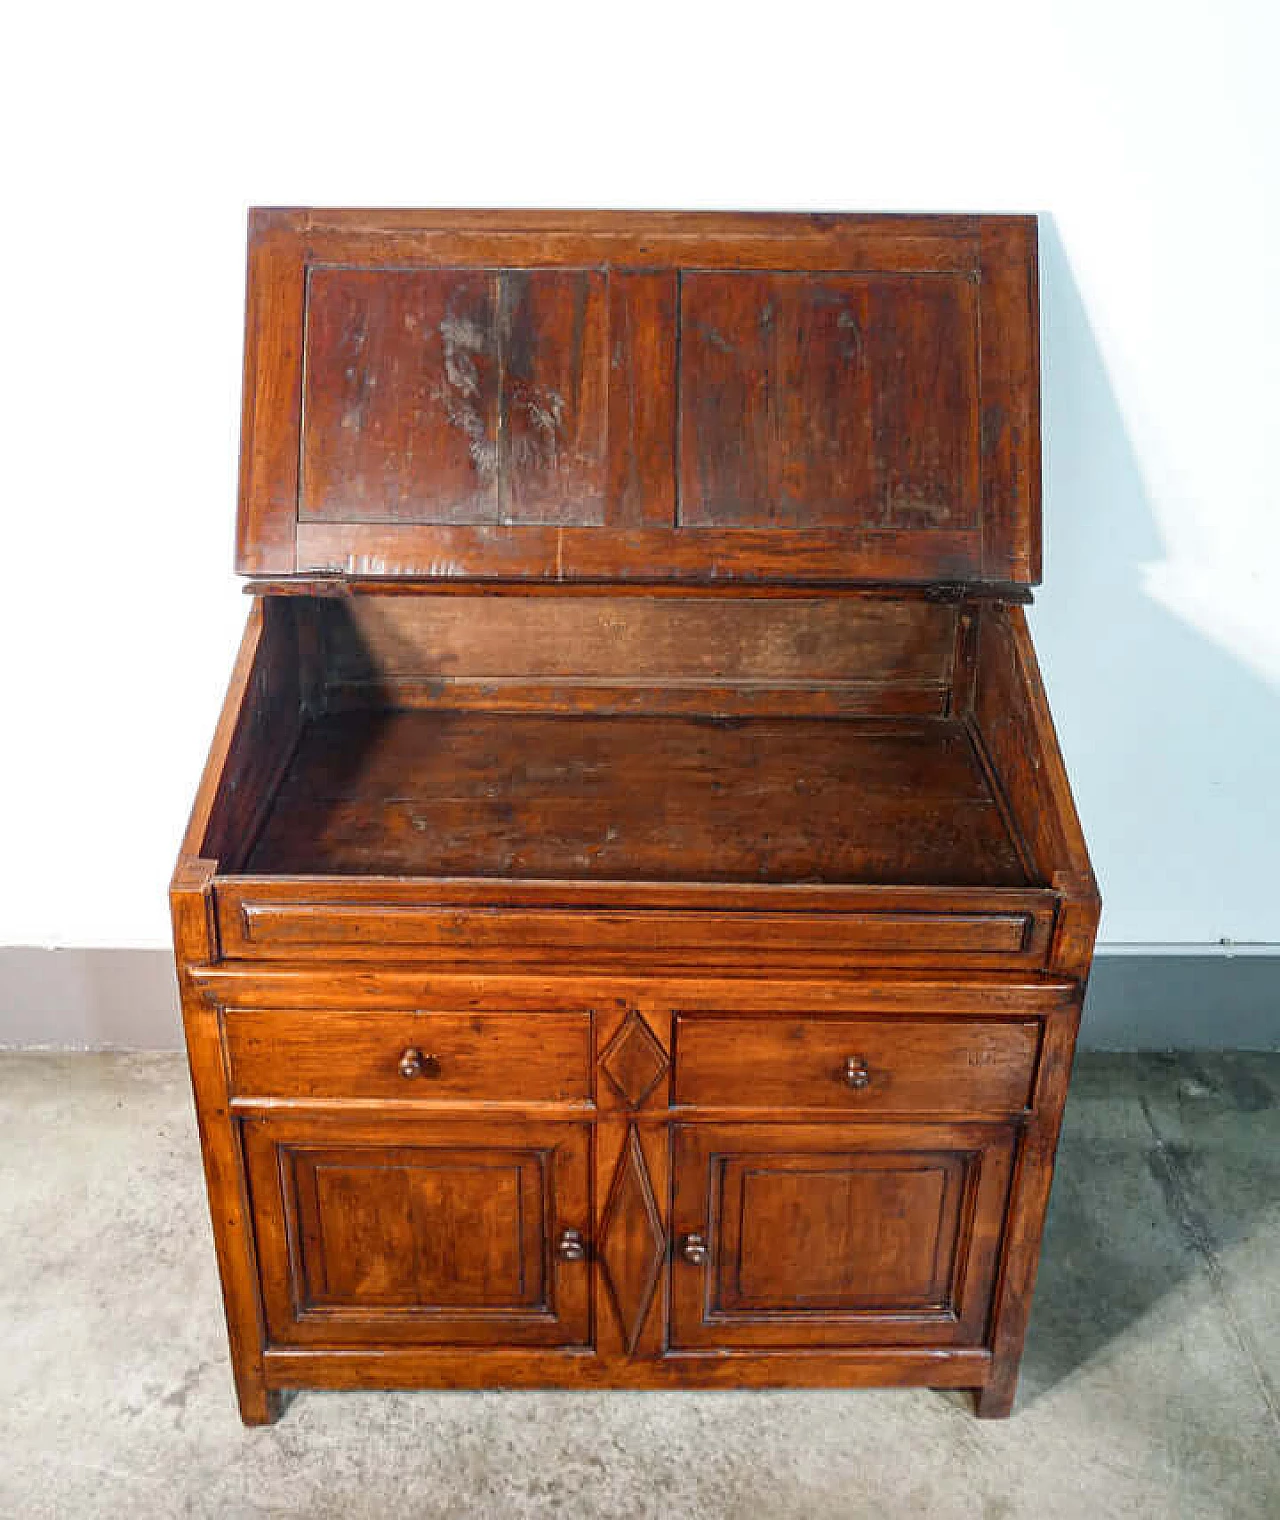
(634, 1061)
(632, 1241)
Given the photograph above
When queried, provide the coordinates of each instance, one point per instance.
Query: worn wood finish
(641, 427)
(838, 401)
(713, 654)
(633, 924)
(262, 722)
(717, 639)
(567, 399)
(454, 396)
(637, 798)
(331, 586)
(765, 555)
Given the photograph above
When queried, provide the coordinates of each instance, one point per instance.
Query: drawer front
(280, 920)
(422, 1232)
(858, 1065)
(419, 1056)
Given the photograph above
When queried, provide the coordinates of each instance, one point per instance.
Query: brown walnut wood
(428, 1056)
(926, 1066)
(516, 795)
(580, 396)
(820, 1235)
(633, 922)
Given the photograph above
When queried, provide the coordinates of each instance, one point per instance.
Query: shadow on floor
(1151, 1194)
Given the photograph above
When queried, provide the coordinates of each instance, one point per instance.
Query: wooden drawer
(856, 1064)
(418, 1056)
(601, 923)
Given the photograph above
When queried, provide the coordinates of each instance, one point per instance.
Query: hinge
(313, 583)
(950, 592)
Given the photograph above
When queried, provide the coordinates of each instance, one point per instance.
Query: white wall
(136, 135)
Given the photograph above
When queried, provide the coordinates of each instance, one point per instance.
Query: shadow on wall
(1170, 742)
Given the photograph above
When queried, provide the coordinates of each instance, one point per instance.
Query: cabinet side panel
(1028, 1204)
(194, 943)
(1013, 726)
(260, 726)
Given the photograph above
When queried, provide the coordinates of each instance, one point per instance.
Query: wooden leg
(995, 1401)
(220, 1146)
(1028, 1202)
(259, 1405)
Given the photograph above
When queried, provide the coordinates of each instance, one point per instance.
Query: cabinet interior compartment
(777, 740)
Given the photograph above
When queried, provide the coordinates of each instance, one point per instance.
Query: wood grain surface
(640, 798)
(571, 398)
(633, 924)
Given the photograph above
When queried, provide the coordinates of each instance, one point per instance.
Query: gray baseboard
(1182, 1001)
(127, 999)
(93, 999)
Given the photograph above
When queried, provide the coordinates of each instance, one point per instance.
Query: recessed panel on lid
(454, 396)
(607, 397)
(832, 400)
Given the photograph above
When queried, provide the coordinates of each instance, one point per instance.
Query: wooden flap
(646, 396)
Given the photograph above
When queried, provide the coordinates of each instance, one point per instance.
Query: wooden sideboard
(633, 923)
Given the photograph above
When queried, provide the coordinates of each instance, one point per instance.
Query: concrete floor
(1149, 1389)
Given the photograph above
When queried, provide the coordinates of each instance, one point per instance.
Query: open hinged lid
(642, 396)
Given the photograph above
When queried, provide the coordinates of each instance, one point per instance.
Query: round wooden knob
(411, 1062)
(856, 1074)
(414, 1064)
(571, 1246)
(694, 1250)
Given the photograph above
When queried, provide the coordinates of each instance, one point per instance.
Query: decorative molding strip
(1208, 997)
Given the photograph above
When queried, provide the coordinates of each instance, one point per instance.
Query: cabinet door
(430, 1233)
(835, 1235)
